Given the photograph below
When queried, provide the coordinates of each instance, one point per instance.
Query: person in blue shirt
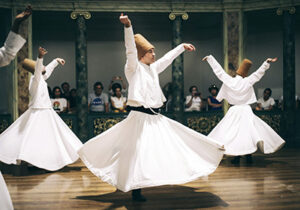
(213, 103)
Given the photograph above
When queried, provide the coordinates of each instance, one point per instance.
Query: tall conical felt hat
(28, 65)
(244, 68)
(142, 45)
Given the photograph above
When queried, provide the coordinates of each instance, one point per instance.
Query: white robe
(12, 45)
(39, 136)
(143, 80)
(240, 130)
(149, 150)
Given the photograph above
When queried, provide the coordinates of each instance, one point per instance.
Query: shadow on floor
(164, 197)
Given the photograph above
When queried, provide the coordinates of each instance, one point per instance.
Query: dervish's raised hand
(205, 58)
(125, 20)
(271, 60)
(189, 47)
(24, 15)
(42, 52)
(61, 61)
(20, 18)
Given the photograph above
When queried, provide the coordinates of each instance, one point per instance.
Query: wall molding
(150, 6)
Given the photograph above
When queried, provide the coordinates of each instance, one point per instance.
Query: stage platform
(271, 182)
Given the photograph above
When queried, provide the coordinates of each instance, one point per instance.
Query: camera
(197, 94)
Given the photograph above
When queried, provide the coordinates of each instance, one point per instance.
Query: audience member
(118, 101)
(193, 102)
(72, 101)
(98, 101)
(266, 102)
(117, 80)
(65, 90)
(59, 104)
(213, 103)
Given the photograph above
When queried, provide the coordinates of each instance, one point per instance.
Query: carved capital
(87, 15)
(183, 15)
(291, 10)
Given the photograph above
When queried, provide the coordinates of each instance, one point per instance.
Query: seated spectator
(193, 102)
(117, 80)
(59, 104)
(213, 103)
(65, 90)
(118, 101)
(72, 101)
(98, 101)
(266, 102)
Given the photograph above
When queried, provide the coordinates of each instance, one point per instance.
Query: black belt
(143, 109)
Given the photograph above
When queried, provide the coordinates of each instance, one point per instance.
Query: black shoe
(137, 196)
(249, 159)
(236, 160)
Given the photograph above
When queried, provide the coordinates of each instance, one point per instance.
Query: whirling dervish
(241, 131)
(39, 136)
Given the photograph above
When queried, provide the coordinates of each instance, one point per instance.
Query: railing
(5, 121)
(100, 122)
(202, 122)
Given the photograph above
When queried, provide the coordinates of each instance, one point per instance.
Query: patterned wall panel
(203, 123)
(71, 121)
(272, 119)
(4, 123)
(103, 124)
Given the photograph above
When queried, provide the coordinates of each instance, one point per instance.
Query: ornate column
(233, 44)
(289, 81)
(14, 90)
(81, 73)
(23, 77)
(177, 68)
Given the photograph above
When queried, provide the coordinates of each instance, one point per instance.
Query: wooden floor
(272, 182)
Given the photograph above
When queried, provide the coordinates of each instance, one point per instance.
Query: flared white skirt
(242, 132)
(41, 138)
(150, 150)
(5, 201)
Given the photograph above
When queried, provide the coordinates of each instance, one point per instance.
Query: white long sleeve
(49, 68)
(218, 70)
(258, 74)
(38, 68)
(236, 90)
(38, 88)
(144, 89)
(131, 51)
(12, 45)
(167, 59)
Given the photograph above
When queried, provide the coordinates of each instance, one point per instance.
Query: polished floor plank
(271, 182)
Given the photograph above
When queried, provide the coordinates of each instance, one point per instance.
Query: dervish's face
(149, 57)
